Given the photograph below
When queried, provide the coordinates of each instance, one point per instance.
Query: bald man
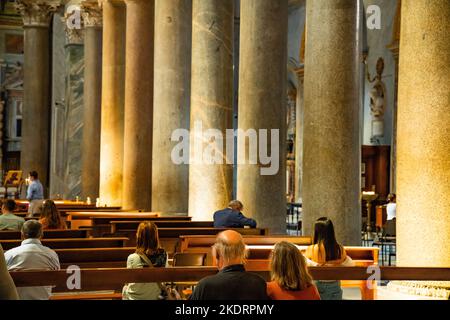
(232, 282)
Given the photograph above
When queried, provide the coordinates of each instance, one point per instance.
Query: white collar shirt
(32, 255)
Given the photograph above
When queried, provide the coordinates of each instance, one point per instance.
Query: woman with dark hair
(50, 217)
(289, 273)
(148, 254)
(326, 251)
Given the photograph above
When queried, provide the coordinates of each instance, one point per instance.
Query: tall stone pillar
(331, 140)
(113, 96)
(36, 110)
(423, 148)
(394, 48)
(210, 182)
(137, 163)
(263, 106)
(299, 135)
(73, 133)
(90, 179)
(173, 30)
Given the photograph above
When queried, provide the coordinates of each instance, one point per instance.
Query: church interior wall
(378, 41)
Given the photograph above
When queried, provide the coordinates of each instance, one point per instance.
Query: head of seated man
(229, 249)
(232, 217)
(32, 229)
(232, 282)
(9, 221)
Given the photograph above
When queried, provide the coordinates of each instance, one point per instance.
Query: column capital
(73, 25)
(91, 11)
(37, 13)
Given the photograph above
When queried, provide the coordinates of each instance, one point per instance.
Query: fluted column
(173, 30)
(263, 106)
(93, 21)
(113, 96)
(210, 184)
(423, 148)
(36, 110)
(137, 164)
(331, 140)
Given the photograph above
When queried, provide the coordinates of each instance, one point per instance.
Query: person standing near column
(35, 194)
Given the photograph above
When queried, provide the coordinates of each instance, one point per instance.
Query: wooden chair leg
(366, 293)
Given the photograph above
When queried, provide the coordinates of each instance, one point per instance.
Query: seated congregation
(231, 253)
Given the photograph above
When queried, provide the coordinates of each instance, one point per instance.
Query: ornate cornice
(37, 13)
(74, 34)
(92, 14)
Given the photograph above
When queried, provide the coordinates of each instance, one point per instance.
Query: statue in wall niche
(14, 76)
(377, 99)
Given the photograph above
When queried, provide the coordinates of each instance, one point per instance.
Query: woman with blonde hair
(289, 273)
(50, 217)
(148, 254)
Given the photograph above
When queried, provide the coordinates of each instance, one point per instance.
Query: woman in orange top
(50, 217)
(326, 251)
(290, 277)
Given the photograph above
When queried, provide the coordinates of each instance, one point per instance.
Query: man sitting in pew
(32, 255)
(232, 217)
(8, 220)
(232, 282)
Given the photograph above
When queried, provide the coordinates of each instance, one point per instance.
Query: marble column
(263, 106)
(36, 110)
(394, 48)
(173, 30)
(92, 17)
(331, 140)
(73, 133)
(138, 130)
(423, 148)
(210, 182)
(113, 96)
(299, 135)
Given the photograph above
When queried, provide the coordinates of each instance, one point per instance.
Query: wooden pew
(118, 226)
(49, 234)
(259, 249)
(65, 205)
(200, 243)
(72, 243)
(113, 279)
(100, 221)
(95, 257)
(173, 235)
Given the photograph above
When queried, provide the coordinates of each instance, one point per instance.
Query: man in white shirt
(391, 208)
(32, 255)
(9, 221)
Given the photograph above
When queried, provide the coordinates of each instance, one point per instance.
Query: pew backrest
(48, 234)
(189, 243)
(72, 243)
(117, 226)
(95, 257)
